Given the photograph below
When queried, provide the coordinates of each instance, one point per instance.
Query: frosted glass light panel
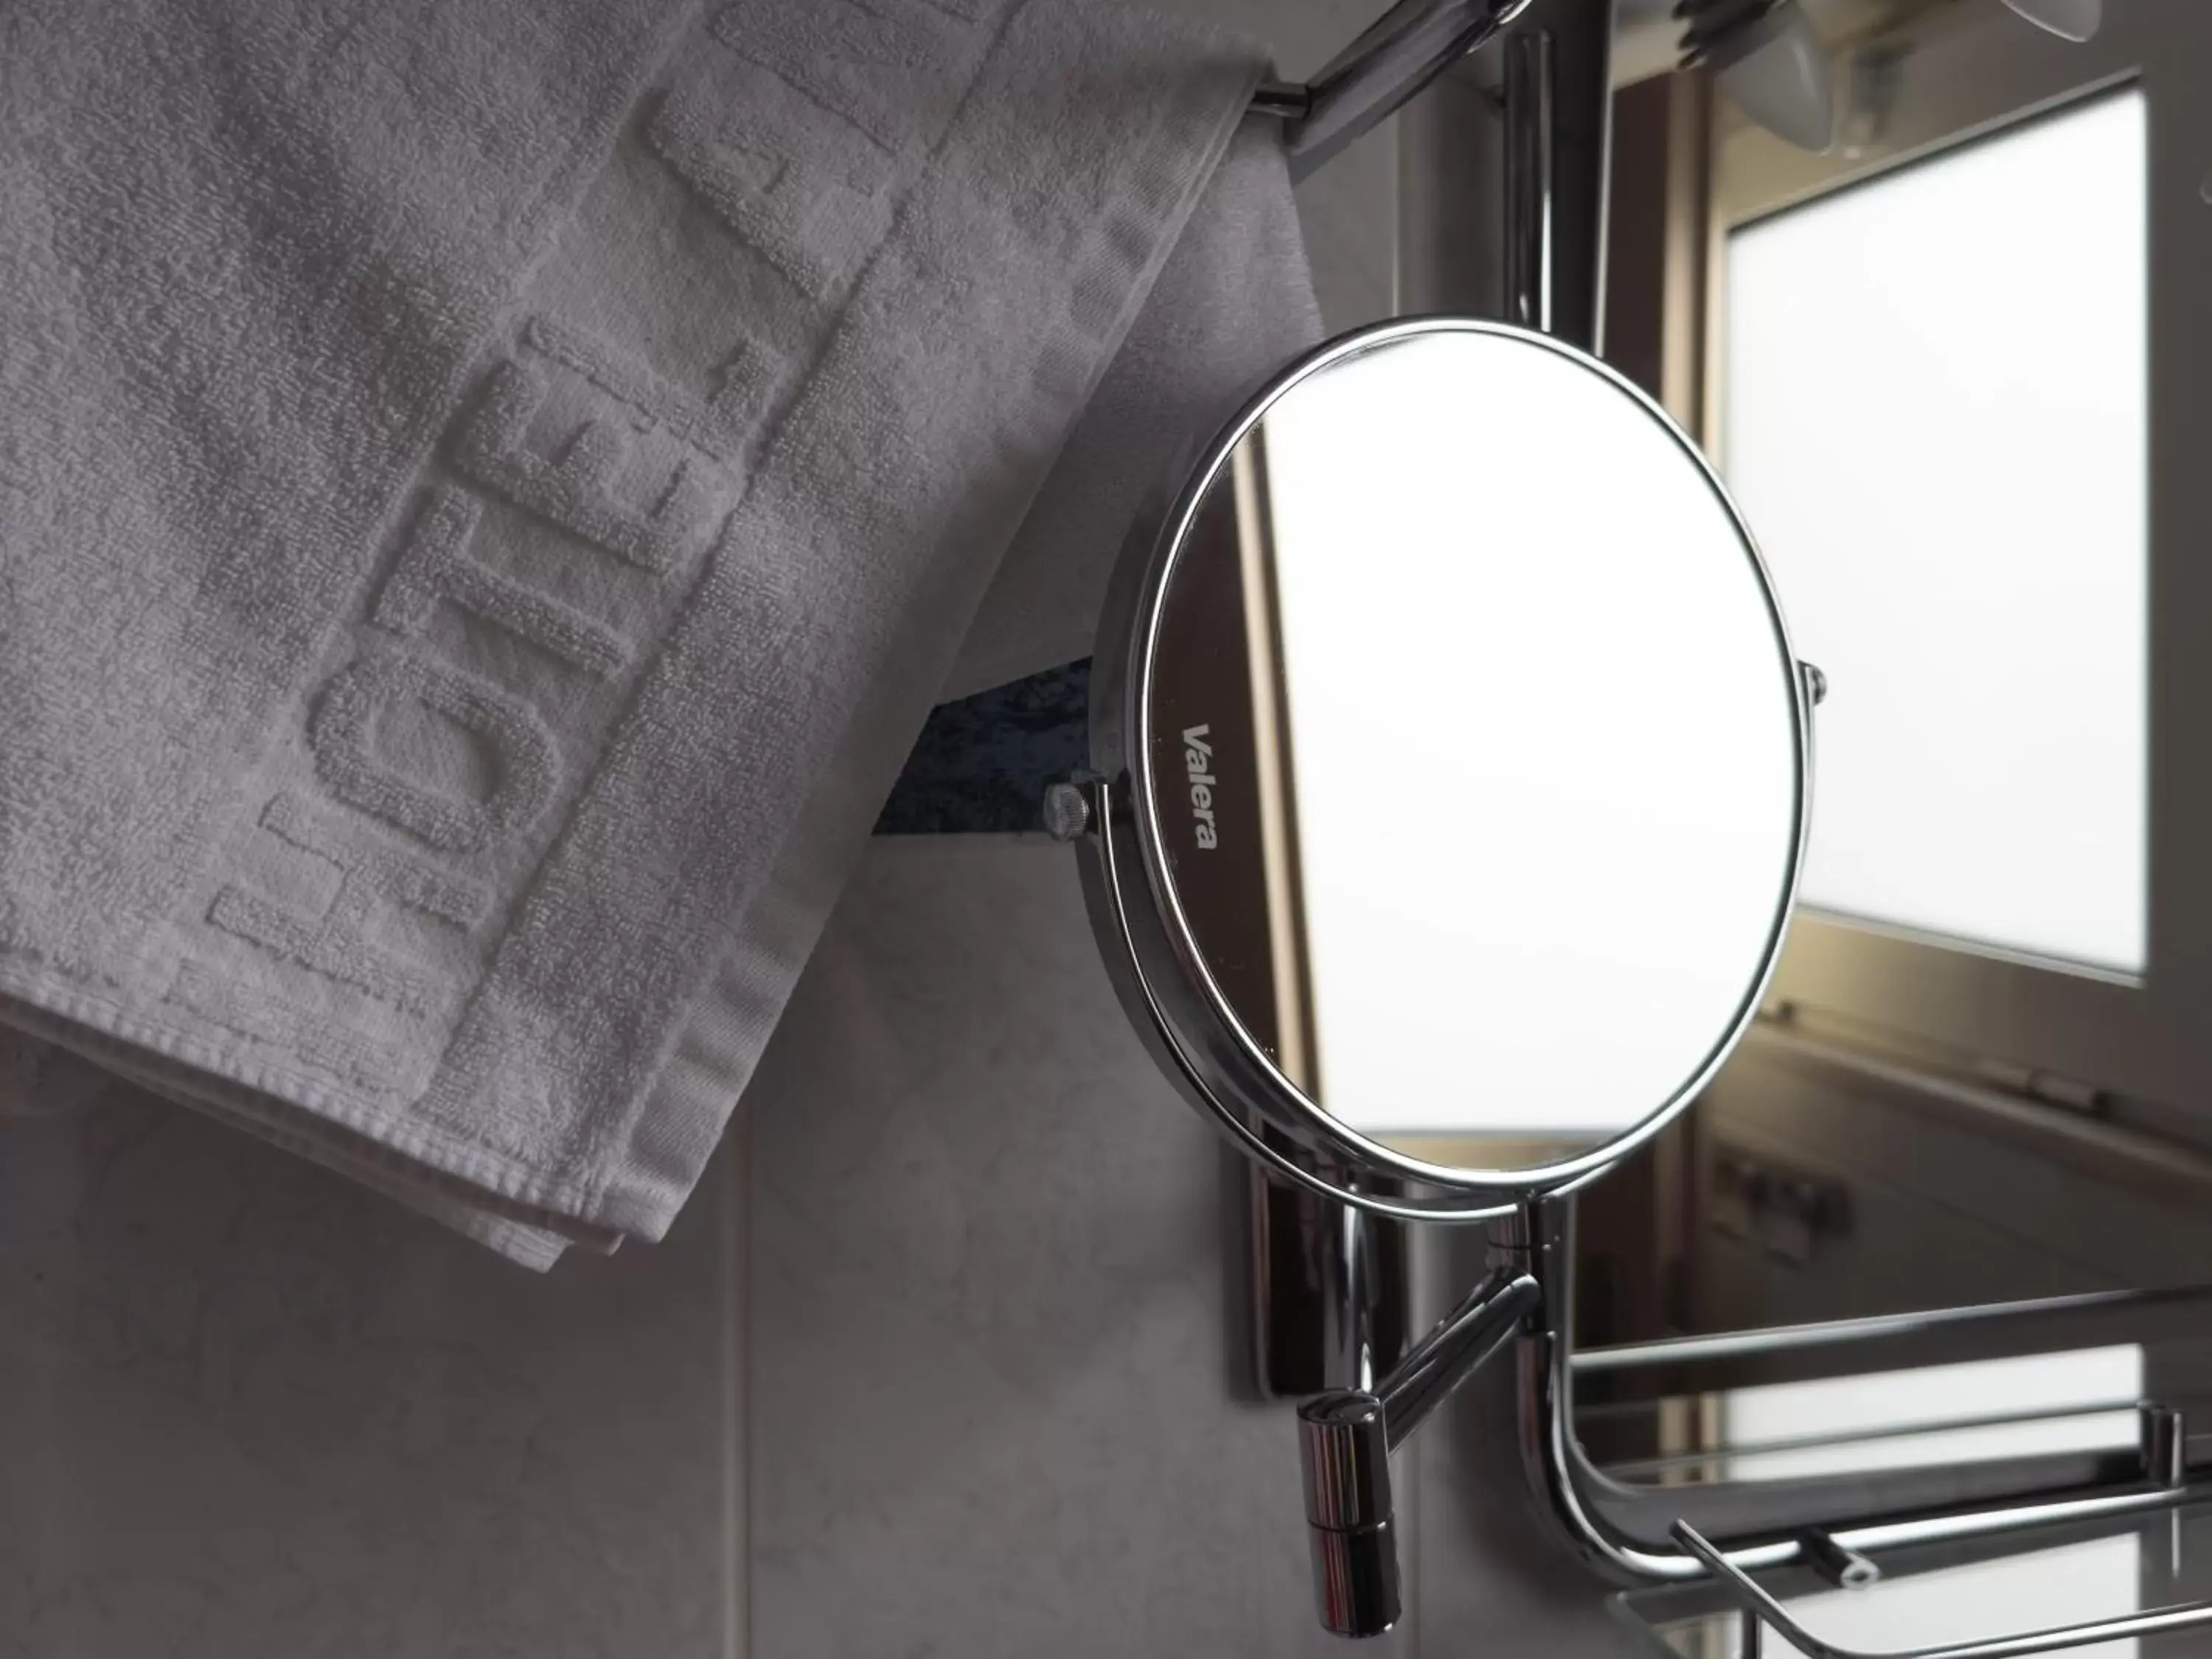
(1935, 425)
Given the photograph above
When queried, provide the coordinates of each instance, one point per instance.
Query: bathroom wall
(998, 1398)
(942, 1357)
(994, 1384)
(248, 1410)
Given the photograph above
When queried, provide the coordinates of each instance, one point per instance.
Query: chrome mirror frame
(1113, 815)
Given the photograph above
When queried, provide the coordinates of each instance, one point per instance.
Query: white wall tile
(992, 1366)
(249, 1411)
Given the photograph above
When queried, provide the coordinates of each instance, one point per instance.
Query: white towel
(1233, 304)
(488, 493)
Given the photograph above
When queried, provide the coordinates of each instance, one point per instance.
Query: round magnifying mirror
(1458, 762)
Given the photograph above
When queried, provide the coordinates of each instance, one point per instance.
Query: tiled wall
(992, 1378)
(996, 1396)
(949, 1369)
(247, 1410)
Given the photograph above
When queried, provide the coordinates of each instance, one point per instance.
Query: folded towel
(1233, 304)
(488, 493)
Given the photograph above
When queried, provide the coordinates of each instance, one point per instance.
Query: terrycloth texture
(1233, 306)
(488, 493)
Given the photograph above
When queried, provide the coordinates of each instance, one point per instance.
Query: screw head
(1066, 811)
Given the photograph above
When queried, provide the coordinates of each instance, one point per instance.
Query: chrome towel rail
(1392, 58)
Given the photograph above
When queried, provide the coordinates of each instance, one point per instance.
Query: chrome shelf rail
(1597, 1518)
(1761, 1610)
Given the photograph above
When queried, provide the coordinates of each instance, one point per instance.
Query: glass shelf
(1962, 1592)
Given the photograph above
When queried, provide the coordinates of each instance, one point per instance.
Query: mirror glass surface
(1472, 738)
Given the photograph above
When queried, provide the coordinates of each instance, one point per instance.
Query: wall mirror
(1434, 846)
(1381, 762)
(1456, 827)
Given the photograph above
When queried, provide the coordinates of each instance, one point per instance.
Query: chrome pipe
(1392, 58)
(1880, 1328)
(1558, 130)
(1846, 1569)
(1286, 100)
(2165, 1446)
(1345, 1438)
(1454, 1349)
(1531, 128)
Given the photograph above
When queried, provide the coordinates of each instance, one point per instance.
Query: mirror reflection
(1474, 738)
